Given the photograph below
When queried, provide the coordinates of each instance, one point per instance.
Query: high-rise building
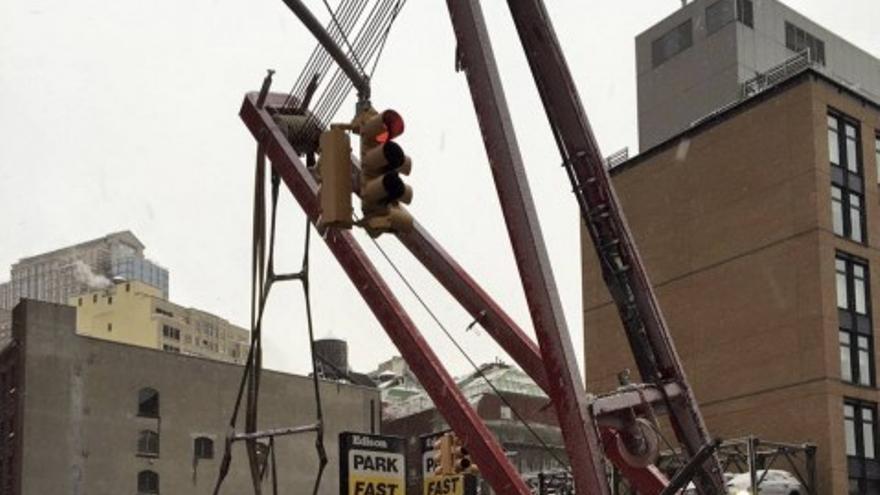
(696, 60)
(83, 415)
(759, 230)
(135, 313)
(57, 275)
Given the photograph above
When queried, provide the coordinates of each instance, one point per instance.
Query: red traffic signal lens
(393, 126)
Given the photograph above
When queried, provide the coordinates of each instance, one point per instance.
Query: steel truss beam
(579, 430)
(427, 367)
(622, 266)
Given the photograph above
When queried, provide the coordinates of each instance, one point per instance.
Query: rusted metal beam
(566, 388)
(622, 266)
(427, 367)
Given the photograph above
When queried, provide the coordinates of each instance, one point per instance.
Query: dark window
(856, 336)
(109, 327)
(847, 183)
(877, 155)
(95, 298)
(203, 448)
(127, 287)
(745, 12)
(80, 301)
(170, 332)
(148, 443)
(672, 43)
(170, 348)
(860, 436)
(148, 483)
(110, 300)
(148, 403)
(797, 40)
(718, 15)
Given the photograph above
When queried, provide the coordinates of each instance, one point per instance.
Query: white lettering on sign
(365, 441)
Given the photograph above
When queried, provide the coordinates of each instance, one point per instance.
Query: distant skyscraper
(58, 275)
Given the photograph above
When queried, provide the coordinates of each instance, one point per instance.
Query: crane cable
(262, 278)
(478, 371)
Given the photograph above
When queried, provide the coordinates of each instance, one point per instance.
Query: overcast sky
(123, 115)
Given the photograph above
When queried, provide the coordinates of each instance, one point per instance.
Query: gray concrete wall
(81, 425)
(707, 75)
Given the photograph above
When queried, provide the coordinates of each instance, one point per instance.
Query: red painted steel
(439, 385)
(623, 269)
(566, 388)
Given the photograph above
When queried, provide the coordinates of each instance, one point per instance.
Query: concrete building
(412, 415)
(759, 230)
(135, 313)
(698, 58)
(58, 275)
(5, 327)
(84, 415)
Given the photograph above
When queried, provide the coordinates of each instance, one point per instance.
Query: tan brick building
(759, 228)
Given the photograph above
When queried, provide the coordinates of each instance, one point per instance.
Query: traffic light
(334, 191)
(461, 458)
(382, 163)
(443, 456)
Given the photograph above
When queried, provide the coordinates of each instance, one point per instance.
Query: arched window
(148, 483)
(148, 442)
(204, 448)
(148, 403)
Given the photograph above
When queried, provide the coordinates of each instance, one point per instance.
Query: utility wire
(464, 353)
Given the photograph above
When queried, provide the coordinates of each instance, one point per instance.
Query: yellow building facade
(135, 313)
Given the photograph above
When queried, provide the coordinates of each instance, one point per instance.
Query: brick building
(758, 227)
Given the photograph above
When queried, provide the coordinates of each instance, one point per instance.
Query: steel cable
(470, 360)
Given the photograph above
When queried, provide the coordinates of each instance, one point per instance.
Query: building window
(203, 448)
(506, 412)
(148, 403)
(95, 298)
(672, 43)
(797, 40)
(718, 15)
(745, 12)
(170, 348)
(847, 185)
(855, 335)
(148, 483)
(148, 443)
(877, 155)
(80, 301)
(170, 332)
(109, 327)
(860, 434)
(110, 300)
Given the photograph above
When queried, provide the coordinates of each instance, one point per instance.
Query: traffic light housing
(443, 456)
(461, 458)
(334, 168)
(382, 163)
